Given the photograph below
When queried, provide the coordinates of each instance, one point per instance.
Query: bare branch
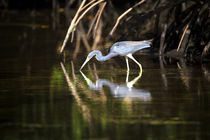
(180, 42)
(205, 50)
(99, 16)
(76, 20)
(124, 14)
(87, 5)
(87, 11)
(71, 26)
(92, 22)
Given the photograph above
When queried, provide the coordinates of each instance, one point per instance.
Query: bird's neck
(100, 57)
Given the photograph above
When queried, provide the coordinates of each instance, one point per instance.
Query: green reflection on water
(44, 105)
(106, 110)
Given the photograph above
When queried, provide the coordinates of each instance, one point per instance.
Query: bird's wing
(134, 43)
(127, 47)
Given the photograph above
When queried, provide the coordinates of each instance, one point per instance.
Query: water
(45, 97)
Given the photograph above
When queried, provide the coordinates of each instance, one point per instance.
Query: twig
(92, 22)
(162, 39)
(84, 38)
(78, 39)
(205, 50)
(97, 38)
(87, 5)
(99, 16)
(87, 11)
(71, 26)
(180, 42)
(72, 36)
(76, 20)
(122, 15)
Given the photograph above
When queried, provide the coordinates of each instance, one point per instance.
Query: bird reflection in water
(120, 91)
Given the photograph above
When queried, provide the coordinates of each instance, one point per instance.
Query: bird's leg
(131, 83)
(126, 59)
(127, 75)
(128, 69)
(131, 57)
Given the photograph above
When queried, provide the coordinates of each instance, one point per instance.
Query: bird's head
(90, 55)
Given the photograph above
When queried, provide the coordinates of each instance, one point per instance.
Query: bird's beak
(86, 79)
(87, 59)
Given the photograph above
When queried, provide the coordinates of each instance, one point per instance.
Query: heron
(123, 48)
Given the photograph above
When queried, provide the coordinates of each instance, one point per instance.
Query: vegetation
(180, 28)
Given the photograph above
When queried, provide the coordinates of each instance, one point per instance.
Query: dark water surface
(45, 97)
